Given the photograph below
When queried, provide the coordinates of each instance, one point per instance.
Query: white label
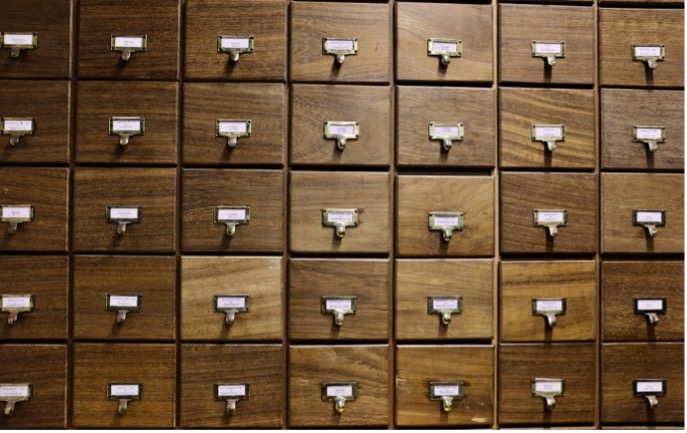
(548, 48)
(233, 126)
(450, 131)
(650, 217)
(16, 212)
(449, 390)
(650, 305)
(445, 304)
(14, 39)
(546, 305)
(339, 45)
(548, 131)
(18, 125)
(647, 386)
(338, 304)
(231, 214)
(341, 129)
(548, 386)
(14, 391)
(446, 221)
(649, 133)
(16, 302)
(340, 217)
(340, 390)
(231, 302)
(123, 301)
(446, 47)
(128, 42)
(231, 391)
(647, 51)
(124, 390)
(550, 217)
(124, 213)
(235, 43)
(126, 125)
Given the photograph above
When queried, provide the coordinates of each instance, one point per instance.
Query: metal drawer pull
(233, 129)
(15, 305)
(446, 222)
(232, 216)
(123, 304)
(651, 308)
(551, 219)
(18, 41)
(124, 393)
(17, 127)
(649, 219)
(549, 50)
(15, 215)
(127, 127)
(230, 305)
(13, 393)
(652, 136)
(341, 131)
(548, 389)
(123, 216)
(445, 306)
(338, 306)
(649, 54)
(340, 48)
(340, 393)
(232, 393)
(548, 134)
(445, 49)
(446, 392)
(339, 219)
(446, 132)
(235, 46)
(650, 389)
(549, 308)
(128, 44)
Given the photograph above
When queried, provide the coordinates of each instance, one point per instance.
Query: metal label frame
(111, 396)
(340, 138)
(221, 49)
(548, 56)
(562, 223)
(245, 396)
(237, 221)
(432, 52)
(142, 48)
(16, 399)
(432, 310)
(233, 134)
(32, 46)
(535, 381)
(535, 137)
(433, 385)
(636, 222)
(217, 309)
(129, 132)
(640, 58)
(32, 303)
(434, 135)
(139, 300)
(326, 311)
(326, 385)
(662, 310)
(338, 52)
(661, 139)
(340, 226)
(558, 312)
(110, 219)
(18, 132)
(433, 225)
(18, 220)
(664, 387)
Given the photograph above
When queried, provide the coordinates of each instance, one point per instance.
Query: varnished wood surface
(474, 107)
(261, 278)
(643, 2)
(313, 105)
(519, 25)
(153, 278)
(98, 101)
(265, 105)
(522, 282)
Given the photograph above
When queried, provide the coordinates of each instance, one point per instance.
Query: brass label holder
(128, 44)
(17, 127)
(548, 389)
(548, 134)
(340, 393)
(126, 127)
(123, 216)
(446, 223)
(13, 393)
(548, 50)
(235, 45)
(549, 308)
(446, 132)
(124, 393)
(341, 131)
(231, 393)
(652, 136)
(650, 54)
(339, 219)
(551, 219)
(445, 49)
(445, 306)
(650, 308)
(649, 219)
(18, 41)
(650, 389)
(233, 129)
(232, 216)
(230, 305)
(15, 215)
(338, 306)
(123, 304)
(340, 48)
(446, 392)
(15, 305)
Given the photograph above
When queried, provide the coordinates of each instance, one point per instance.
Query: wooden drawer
(623, 364)
(366, 193)
(156, 21)
(45, 189)
(642, 2)
(520, 25)
(420, 196)
(316, 109)
(342, 368)
(635, 294)
(550, 194)
(470, 25)
(52, 22)
(547, 128)
(466, 287)
(153, 190)
(621, 29)
(240, 20)
(548, 301)
(46, 279)
(264, 105)
(358, 290)
(259, 370)
(44, 367)
(520, 365)
(421, 107)
(368, 25)
(255, 195)
(144, 289)
(623, 194)
(102, 110)
(47, 104)
(150, 366)
(425, 373)
(254, 285)
(642, 113)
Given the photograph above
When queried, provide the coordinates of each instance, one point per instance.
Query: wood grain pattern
(265, 105)
(416, 280)
(98, 101)
(152, 189)
(622, 109)
(642, 2)
(313, 191)
(262, 190)
(619, 29)
(369, 23)
(158, 19)
(471, 24)
(474, 107)
(369, 366)
(420, 195)
(371, 107)
(261, 366)
(519, 364)
(46, 277)
(419, 365)
(45, 367)
(521, 193)
(368, 280)
(623, 193)
(522, 282)
(96, 365)
(46, 190)
(52, 20)
(621, 364)
(261, 278)
(519, 25)
(520, 108)
(152, 277)
(625, 281)
(265, 20)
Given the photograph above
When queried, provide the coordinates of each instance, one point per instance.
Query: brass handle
(652, 400)
(123, 406)
(339, 404)
(9, 407)
(652, 318)
(446, 403)
(13, 317)
(231, 407)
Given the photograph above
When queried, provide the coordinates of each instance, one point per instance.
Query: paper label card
(648, 51)
(548, 48)
(229, 126)
(15, 391)
(548, 386)
(231, 302)
(17, 212)
(340, 390)
(649, 133)
(445, 304)
(17, 125)
(128, 42)
(649, 386)
(22, 302)
(124, 213)
(231, 214)
(231, 390)
(650, 217)
(549, 305)
(124, 390)
(126, 125)
(338, 304)
(18, 39)
(235, 43)
(340, 217)
(339, 45)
